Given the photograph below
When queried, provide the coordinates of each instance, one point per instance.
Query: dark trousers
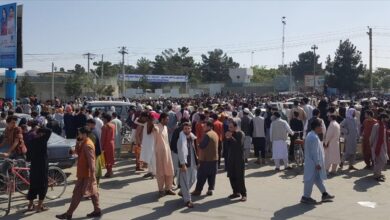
(34, 192)
(259, 146)
(219, 153)
(238, 185)
(291, 148)
(207, 171)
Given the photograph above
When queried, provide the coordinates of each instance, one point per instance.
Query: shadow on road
(144, 199)
(357, 173)
(262, 174)
(162, 211)
(207, 206)
(118, 184)
(364, 183)
(292, 211)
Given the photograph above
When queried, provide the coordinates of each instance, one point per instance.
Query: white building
(241, 75)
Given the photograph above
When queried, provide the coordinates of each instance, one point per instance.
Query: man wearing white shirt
(99, 123)
(278, 134)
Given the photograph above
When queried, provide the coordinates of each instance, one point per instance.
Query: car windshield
(118, 109)
(55, 138)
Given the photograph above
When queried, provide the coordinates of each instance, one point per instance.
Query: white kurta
(147, 149)
(332, 139)
(279, 150)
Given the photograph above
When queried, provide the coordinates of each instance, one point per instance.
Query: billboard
(155, 78)
(8, 36)
(320, 81)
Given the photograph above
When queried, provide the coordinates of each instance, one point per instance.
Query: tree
(73, 85)
(109, 90)
(144, 66)
(26, 88)
(261, 74)
(305, 65)
(62, 69)
(76, 81)
(385, 84)
(348, 69)
(215, 66)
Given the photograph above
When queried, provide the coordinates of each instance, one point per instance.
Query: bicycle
(16, 178)
(299, 156)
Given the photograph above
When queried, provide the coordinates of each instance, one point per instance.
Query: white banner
(155, 78)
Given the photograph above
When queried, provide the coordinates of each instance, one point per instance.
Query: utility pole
(52, 81)
(102, 73)
(284, 26)
(290, 80)
(89, 56)
(252, 58)
(314, 48)
(123, 51)
(370, 38)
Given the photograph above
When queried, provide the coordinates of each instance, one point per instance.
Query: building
(241, 75)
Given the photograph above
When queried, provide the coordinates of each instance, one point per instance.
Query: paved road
(270, 196)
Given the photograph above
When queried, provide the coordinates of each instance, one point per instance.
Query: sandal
(42, 209)
(30, 208)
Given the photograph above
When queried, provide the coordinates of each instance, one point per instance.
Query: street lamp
(314, 48)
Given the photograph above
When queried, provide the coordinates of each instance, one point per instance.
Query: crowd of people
(185, 141)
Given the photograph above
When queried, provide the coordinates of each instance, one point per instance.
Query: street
(271, 195)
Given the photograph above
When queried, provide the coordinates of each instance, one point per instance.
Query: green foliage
(73, 86)
(305, 65)
(385, 84)
(108, 90)
(348, 70)
(144, 66)
(25, 86)
(261, 74)
(215, 66)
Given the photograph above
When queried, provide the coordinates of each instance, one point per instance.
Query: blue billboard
(8, 36)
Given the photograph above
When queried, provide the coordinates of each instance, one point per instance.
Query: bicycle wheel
(21, 185)
(5, 195)
(56, 183)
(300, 157)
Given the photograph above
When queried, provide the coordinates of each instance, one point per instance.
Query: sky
(61, 31)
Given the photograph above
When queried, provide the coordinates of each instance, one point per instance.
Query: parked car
(59, 150)
(121, 108)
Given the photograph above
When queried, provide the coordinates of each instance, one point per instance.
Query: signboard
(320, 81)
(155, 78)
(8, 36)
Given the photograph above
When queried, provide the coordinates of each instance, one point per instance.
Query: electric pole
(123, 51)
(370, 38)
(252, 58)
(52, 81)
(89, 56)
(314, 48)
(284, 26)
(102, 73)
(291, 79)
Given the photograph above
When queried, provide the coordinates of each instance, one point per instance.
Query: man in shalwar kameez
(332, 145)
(188, 162)
(108, 143)
(314, 169)
(118, 135)
(86, 184)
(350, 131)
(378, 141)
(164, 165)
